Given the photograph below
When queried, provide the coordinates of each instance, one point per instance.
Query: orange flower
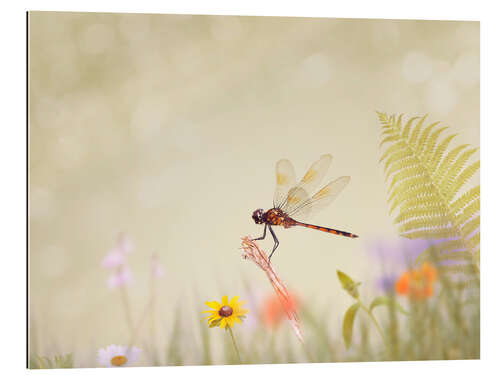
(273, 312)
(417, 283)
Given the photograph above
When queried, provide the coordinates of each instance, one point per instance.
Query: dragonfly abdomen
(325, 229)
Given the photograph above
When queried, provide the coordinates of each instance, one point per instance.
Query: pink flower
(121, 277)
(113, 259)
(116, 256)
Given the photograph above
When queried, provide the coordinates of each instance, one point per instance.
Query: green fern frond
(422, 222)
(389, 138)
(429, 150)
(419, 202)
(402, 164)
(416, 131)
(433, 234)
(406, 130)
(446, 247)
(446, 164)
(437, 210)
(467, 284)
(473, 242)
(442, 251)
(395, 147)
(463, 256)
(463, 177)
(419, 191)
(459, 269)
(409, 183)
(404, 175)
(389, 131)
(471, 226)
(424, 176)
(423, 141)
(469, 211)
(403, 153)
(465, 200)
(449, 178)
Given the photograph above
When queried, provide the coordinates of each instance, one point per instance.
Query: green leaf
(348, 284)
(387, 301)
(349, 316)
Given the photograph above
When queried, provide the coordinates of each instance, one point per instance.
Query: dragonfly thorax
(276, 216)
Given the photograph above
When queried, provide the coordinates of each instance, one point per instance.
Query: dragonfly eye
(258, 216)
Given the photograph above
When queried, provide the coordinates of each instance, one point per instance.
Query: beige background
(167, 128)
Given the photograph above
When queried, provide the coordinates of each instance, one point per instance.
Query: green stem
(152, 310)
(126, 307)
(234, 343)
(308, 353)
(141, 320)
(370, 314)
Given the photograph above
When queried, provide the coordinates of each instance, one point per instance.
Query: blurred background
(166, 129)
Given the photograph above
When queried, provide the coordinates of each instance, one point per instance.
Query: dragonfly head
(258, 216)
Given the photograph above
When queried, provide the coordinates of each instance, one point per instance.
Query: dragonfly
(293, 202)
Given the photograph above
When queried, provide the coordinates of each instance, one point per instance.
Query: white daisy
(117, 356)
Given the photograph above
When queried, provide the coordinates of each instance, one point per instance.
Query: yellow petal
(230, 321)
(224, 301)
(243, 311)
(237, 320)
(234, 301)
(213, 316)
(223, 323)
(209, 312)
(213, 305)
(214, 323)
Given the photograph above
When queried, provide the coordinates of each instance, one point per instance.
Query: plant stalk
(234, 344)
(370, 314)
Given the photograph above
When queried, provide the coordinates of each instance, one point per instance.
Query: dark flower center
(225, 311)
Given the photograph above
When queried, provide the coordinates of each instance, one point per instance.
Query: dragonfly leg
(263, 236)
(276, 242)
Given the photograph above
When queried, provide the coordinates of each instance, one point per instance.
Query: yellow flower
(225, 313)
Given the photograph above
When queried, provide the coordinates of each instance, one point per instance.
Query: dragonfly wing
(316, 173)
(320, 200)
(285, 180)
(296, 197)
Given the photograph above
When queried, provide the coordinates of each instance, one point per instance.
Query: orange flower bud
(417, 283)
(403, 283)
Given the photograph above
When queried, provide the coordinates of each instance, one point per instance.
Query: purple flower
(395, 257)
(402, 252)
(386, 283)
